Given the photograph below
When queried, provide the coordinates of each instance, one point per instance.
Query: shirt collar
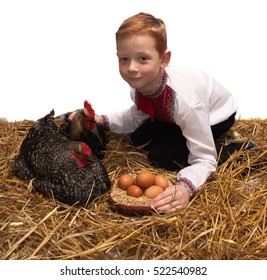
(159, 89)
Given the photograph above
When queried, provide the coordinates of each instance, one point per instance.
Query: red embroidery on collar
(159, 105)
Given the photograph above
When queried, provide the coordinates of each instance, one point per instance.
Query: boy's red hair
(144, 24)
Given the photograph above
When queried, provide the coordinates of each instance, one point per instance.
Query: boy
(180, 113)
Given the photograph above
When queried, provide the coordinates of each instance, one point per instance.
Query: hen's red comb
(89, 110)
(86, 149)
(83, 156)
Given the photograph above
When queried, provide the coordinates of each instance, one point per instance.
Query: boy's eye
(123, 59)
(143, 59)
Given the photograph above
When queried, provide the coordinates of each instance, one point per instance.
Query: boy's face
(139, 62)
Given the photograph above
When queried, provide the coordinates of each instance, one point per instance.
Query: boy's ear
(165, 60)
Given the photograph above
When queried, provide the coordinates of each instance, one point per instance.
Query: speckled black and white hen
(64, 169)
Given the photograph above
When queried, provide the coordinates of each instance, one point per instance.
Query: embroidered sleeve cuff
(104, 122)
(188, 185)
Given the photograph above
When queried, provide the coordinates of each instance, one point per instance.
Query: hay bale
(225, 220)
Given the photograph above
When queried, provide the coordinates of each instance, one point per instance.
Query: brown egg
(134, 191)
(145, 179)
(125, 181)
(161, 181)
(153, 191)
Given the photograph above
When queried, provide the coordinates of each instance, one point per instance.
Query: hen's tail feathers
(47, 119)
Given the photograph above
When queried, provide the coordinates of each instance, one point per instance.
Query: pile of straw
(225, 220)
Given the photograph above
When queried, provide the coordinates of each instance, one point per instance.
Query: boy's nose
(132, 67)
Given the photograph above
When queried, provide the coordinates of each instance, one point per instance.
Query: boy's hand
(70, 117)
(173, 199)
(97, 119)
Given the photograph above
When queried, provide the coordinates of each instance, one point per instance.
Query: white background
(55, 54)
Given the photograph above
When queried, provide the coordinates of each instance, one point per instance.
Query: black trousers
(166, 144)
